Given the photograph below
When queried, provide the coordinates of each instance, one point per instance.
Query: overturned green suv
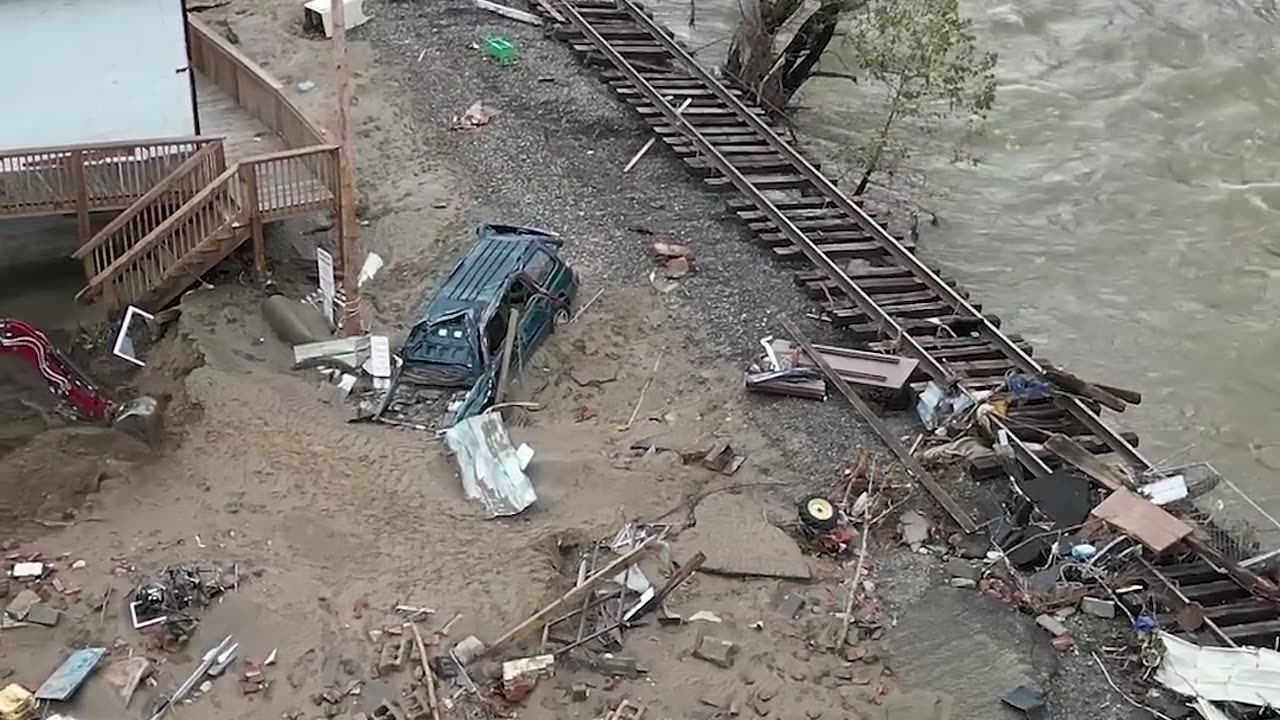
(453, 353)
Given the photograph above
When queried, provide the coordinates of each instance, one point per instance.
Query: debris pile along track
(891, 301)
(1231, 614)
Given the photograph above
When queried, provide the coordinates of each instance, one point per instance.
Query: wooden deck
(222, 116)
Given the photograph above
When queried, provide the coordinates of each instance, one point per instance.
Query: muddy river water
(1124, 215)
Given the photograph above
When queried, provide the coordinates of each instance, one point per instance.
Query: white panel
(74, 71)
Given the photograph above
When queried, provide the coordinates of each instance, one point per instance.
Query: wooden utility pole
(347, 239)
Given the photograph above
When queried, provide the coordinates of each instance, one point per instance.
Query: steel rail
(1025, 362)
(793, 233)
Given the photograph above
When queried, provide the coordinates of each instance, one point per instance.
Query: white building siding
(78, 71)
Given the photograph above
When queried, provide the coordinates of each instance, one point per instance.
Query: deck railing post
(253, 213)
(75, 171)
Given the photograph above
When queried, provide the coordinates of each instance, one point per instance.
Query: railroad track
(890, 302)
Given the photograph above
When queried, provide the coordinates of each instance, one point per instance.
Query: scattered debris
(715, 651)
(722, 458)
(675, 260)
(491, 469)
(508, 12)
(704, 615)
(1052, 624)
(914, 529)
(125, 675)
(468, 649)
(306, 86)
(936, 406)
(42, 614)
(20, 605)
(500, 50)
(1143, 520)
(477, 115)
(124, 346)
(27, 570)
(206, 661)
(644, 149)
(16, 702)
(1031, 701)
(1098, 607)
(168, 597)
(316, 15)
(71, 674)
(516, 672)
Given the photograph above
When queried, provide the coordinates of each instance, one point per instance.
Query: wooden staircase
(182, 209)
(184, 204)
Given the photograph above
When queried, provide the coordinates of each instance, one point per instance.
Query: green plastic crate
(500, 50)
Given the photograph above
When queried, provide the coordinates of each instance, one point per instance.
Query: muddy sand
(333, 524)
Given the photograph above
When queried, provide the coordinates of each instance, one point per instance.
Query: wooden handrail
(286, 154)
(104, 146)
(150, 196)
(158, 233)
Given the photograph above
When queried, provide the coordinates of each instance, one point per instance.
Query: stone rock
(914, 529)
(961, 582)
(1098, 607)
(715, 651)
(960, 568)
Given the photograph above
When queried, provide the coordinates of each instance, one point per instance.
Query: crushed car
(452, 355)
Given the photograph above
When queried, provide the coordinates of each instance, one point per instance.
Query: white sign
(324, 266)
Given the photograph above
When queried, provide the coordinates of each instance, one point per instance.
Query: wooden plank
(1145, 521)
(889, 437)
(836, 251)
(786, 181)
(539, 618)
(1084, 461)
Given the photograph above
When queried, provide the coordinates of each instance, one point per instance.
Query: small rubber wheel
(562, 317)
(818, 513)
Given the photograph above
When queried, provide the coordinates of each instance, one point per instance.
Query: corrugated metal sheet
(1247, 675)
(490, 467)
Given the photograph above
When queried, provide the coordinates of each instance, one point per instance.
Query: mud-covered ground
(333, 524)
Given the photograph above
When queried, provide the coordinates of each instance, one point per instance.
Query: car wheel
(562, 317)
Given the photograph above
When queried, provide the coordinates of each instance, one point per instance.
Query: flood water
(1122, 216)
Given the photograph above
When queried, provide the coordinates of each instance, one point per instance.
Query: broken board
(1142, 519)
(732, 532)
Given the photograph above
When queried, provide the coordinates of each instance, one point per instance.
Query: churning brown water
(1122, 216)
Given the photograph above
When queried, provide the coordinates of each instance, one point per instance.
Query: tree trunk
(801, 55)
(776, 79)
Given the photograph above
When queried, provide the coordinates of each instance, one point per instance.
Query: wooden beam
(540, 618)
(252, 214)
(349, 243)
(922, 476)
